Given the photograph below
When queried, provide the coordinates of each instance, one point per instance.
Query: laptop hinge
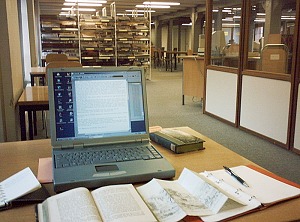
(144, 140)
(78, 145)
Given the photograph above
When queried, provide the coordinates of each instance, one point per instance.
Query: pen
(236, 176)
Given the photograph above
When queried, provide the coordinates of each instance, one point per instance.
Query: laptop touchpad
(105, 168)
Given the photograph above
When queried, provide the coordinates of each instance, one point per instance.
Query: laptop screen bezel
(93, 141)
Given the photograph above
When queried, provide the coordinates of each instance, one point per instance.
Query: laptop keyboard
(78, 158)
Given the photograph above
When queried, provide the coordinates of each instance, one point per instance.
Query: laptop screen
(97, 104)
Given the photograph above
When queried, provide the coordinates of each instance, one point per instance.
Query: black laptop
(99, 128)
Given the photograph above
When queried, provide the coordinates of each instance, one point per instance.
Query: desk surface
(38, 70)
(17, 155)
(34, 95)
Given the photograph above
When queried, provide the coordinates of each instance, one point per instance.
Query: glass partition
(271, 31)
(225, 40)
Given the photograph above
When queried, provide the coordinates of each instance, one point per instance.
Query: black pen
(236, 176)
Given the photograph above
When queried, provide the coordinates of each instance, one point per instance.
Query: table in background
(18, 155)
(167, 57)
(34, 98)
(193, 76)
(37, 72)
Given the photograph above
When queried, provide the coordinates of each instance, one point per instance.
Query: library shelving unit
(97, 40)
(100, 39)
(59, 34)
(133, 40)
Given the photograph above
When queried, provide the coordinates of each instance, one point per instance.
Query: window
(271, 30)
(225, 33)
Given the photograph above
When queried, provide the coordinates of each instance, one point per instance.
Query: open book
(203, 195)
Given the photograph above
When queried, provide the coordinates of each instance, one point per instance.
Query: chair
(168, 61)
(56, 57)
(56, 64)
(61, 64)
(274, 58)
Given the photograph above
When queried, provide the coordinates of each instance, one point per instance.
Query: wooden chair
(56, 64)
(274, 58)
(61, 64)
(56, 57)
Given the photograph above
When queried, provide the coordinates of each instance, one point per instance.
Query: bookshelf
(97, 41)
(60, 35)
(100, 39)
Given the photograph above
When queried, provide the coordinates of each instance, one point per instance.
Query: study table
(15, 156)
(34, 98)
(37, 72)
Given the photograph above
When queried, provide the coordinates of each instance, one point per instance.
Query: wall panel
(221, 94)
(265, 106)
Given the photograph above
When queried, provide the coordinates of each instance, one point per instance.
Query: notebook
(99, 128)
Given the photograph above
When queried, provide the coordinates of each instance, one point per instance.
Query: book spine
(162, 141)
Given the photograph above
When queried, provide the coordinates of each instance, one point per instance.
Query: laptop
(99, 128)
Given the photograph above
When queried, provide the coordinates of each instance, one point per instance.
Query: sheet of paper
(266, 189)
(160, 202)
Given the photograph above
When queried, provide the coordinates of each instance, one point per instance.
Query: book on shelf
(202, 195)
(177, 140)
(16, 186)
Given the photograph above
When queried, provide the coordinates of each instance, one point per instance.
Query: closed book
(177, 140)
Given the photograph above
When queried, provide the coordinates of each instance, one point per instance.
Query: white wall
(221, 94)
(265, 106)
(25, 42)
(297, 129)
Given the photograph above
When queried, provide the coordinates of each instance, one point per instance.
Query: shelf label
(56, 29)
(89, 48)
(107, 49)
(88, 39)
(107, 39)
(103, 57)
(65, 39)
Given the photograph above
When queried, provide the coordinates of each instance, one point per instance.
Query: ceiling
(53, 7)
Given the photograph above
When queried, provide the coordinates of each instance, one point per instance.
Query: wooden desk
(37, 72)
(18, 155)
(193, 76)
(33, 98)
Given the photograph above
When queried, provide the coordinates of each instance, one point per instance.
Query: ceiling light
(86, 1)
(69, 3)
(161, 3)
(90, 4)
(153, 6)
(80, 9)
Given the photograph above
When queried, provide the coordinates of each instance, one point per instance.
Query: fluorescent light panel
(86, 1)
(161, 3)
(80, 9)
(83, 4)
(153, 6)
